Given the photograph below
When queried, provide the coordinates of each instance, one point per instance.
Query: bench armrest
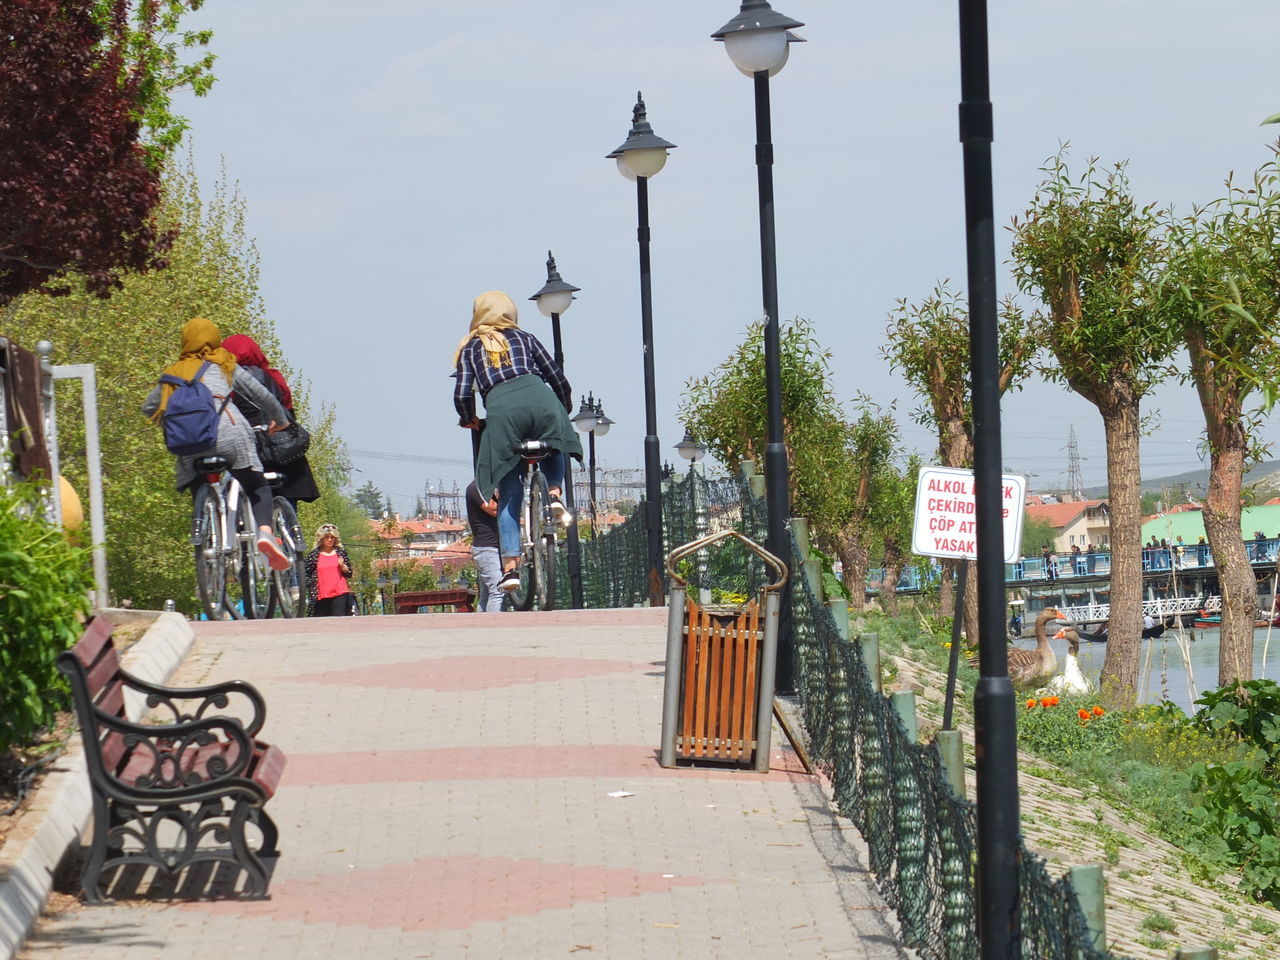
(167, 757)
(215, 696)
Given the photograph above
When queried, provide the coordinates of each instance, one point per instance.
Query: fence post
(839, 608)
(957, 892)
(871, 656)
(812, 567)
(950, 745)
(1196, 953)
(1091, 895)
(910, 827)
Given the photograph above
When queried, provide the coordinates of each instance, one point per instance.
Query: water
(1166, 677)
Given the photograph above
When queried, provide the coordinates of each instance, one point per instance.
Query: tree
(928, 343)
(1036, 532)
(76, 190)
(895, 495)
(1091, 255)
(369, 499)
(832, 462)
(1223, 299)
(130, 338)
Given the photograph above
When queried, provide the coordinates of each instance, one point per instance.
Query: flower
(1031, 704)
(1082, 713)
(1046, 702)
(1098, 711)
(1054, 701)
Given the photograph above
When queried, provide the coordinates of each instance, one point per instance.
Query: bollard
(1091, 895)
(950, 746)
(1196, 953)
(908, 814)
(170, 606)
(871, 656)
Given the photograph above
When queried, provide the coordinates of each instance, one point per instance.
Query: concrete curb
(60, 809)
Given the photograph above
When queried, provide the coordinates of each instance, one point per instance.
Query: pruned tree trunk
(892, 570)
(1119, 680)
(854, 561)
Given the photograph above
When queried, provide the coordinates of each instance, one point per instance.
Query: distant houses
(1078, 523)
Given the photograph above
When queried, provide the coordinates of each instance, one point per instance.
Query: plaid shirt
(528, 356)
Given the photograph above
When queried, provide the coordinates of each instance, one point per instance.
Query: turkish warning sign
(946, 521)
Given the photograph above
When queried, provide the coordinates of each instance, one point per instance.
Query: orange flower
(1031, 704)
(1098, 711)
(1082, 714)
(1046, 701)
(1054, 701)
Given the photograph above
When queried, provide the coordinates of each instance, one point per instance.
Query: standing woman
(202, 343)
(328, 574)
(296, 481)
(526, 397)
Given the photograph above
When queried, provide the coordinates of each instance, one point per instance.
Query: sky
(398, 157)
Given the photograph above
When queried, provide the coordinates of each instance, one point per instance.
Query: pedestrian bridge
(1164, 607)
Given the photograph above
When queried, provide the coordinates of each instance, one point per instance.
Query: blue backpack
(190, 421)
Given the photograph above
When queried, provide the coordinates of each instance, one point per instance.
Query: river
(1162, 675)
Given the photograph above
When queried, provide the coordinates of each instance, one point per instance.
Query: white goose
(1071, 681)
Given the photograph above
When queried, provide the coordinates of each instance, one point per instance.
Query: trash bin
(717, 702)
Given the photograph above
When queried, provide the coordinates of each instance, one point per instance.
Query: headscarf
(246, 350)
(200, 342)
(491, 313)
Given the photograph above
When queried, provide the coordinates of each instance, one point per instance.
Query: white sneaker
(560, 511)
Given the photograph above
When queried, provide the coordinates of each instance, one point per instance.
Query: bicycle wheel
(523, 596)
(288, 586)
(206, 537)
(544, 543)
(242, 557)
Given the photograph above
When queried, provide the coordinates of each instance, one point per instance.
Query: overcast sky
(399, 157)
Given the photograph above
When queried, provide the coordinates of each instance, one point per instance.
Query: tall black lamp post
(641, 157)
(995, 735)
(553, 299)
(757, 40)
(594, 422)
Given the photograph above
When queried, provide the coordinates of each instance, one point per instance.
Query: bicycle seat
(212, 464)
(533, 449)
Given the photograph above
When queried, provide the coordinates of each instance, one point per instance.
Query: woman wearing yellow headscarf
(526, 397)
(201, 342)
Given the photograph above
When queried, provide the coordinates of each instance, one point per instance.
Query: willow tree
(130, 338)
(928, 343)
(1223, 298)
(832, 461)
(1094, 258)
(894, 491)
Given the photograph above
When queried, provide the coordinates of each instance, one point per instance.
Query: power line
(408, 457)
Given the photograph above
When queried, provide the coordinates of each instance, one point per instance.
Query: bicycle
(288, 586)
(228, 563)
(538, 529)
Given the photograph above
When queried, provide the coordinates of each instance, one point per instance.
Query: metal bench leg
(255, 873)
(89, 876)
(270, 835)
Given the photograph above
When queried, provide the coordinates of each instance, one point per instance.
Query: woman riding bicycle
(201, 342)
(526, 397)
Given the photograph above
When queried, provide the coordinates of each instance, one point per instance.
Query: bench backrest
(93, 667)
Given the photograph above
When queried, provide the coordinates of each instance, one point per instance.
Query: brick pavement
(447, 797)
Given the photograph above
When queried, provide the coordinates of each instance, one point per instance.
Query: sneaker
(295, 594)
(560, 511)
(510, 581)
(268, 547)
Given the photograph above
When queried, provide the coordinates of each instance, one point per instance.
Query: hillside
(1265, 475)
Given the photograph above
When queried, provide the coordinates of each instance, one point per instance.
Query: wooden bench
(461, 599)
(174, 795)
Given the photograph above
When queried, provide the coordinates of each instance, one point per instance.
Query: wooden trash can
(718, 695)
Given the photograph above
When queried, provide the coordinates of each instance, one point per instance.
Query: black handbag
(284, 446)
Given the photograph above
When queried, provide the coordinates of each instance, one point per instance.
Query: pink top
(329, 581)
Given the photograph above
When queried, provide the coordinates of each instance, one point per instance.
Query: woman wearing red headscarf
(296, 480)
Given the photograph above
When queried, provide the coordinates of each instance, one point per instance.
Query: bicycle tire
(206, 538)
(284, 521)
(543, 546)
(239, 584)
(522, 597)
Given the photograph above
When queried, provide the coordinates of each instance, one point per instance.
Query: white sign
(946, 523)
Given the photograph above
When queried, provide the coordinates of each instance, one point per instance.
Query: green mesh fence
(921, 837)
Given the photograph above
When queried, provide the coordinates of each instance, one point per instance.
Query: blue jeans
(488, 573)
(511, 498)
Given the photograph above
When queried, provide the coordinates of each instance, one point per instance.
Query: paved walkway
(448, 796)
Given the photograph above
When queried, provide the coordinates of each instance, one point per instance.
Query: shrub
(1249, 710)
(44, 594)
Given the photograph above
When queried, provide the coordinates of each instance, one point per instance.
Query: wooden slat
(753, 657)
(700, 687)
(99, 676)
(723, 692)
(90, 645)
(688, 695)
(716, 641)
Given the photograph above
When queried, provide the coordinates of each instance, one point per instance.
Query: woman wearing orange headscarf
(201, 342)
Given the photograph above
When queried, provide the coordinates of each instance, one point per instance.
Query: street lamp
(694, 450)
(382, 592)
(641, 157)
(757, 40)
(594, 422)
(553, 299)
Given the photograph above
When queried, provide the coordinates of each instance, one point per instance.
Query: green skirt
(521, 409)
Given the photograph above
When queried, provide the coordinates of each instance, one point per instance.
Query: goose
(1070, 682)
(1028, 666)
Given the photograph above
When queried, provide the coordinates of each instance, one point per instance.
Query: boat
(1213, 621)
(1100, 635)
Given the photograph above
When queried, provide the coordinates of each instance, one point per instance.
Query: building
(1075, 524)
(418, 539)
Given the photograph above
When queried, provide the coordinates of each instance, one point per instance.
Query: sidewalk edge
(60, 810)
